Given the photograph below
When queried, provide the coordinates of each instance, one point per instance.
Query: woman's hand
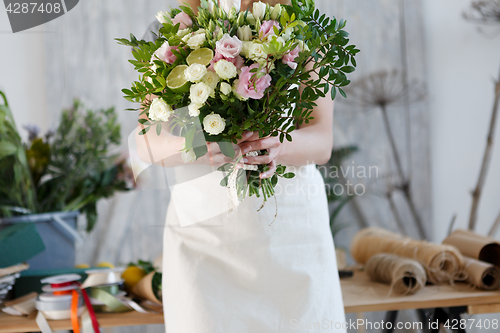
(271, 143)
(215, 157)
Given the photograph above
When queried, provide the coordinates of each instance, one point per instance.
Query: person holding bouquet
(257, 268)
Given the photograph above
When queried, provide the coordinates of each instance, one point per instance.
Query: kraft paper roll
(481, 274)
(441, 262)
(144, 289)
(475, 246)
(405, 276)
(99, 277)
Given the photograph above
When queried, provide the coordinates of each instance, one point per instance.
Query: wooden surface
(27, 324)
(359, 294)
(362, 295)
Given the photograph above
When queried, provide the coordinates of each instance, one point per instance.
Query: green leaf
(7, 149)
(226, 148)
(288, 175)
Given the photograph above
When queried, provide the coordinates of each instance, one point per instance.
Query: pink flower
(228, 46)
(184, 20)
(267, 28)
(246, 87)
(165, 53)
(289, 58)
(238, 61)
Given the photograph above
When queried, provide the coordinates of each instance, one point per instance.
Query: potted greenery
(52, 179)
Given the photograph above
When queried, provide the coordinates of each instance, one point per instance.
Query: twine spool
(406, 276)
(441, 262)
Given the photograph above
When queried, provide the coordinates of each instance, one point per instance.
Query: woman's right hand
(216, 158)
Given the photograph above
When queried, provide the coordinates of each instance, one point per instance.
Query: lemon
(105, 264)
(132, 275)
(82, 266)
(177, 81)
(201, 56)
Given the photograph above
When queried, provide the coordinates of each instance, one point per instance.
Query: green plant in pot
(64, 172)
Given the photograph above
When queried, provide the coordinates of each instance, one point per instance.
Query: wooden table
(359, 294)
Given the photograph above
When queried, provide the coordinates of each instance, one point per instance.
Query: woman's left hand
(271, 143)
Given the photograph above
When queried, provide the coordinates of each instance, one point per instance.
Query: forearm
(164, 149)
(309, 145)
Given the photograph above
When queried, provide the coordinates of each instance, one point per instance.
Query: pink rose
(238, 61)
(165, 53)
(228, 46)
(246, 87)
(184, 20)
(289, 58)
(267, 28)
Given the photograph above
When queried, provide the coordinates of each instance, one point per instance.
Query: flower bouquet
(222, 71)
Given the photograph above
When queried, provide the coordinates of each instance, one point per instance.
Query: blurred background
(422, 64)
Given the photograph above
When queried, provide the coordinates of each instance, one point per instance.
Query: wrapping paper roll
(441, 262)
(406, 276)
(475, 246)
(144, 288)
(481, 274)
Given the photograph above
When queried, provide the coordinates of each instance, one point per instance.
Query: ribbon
(109, 300)
(74, 312)
(233, 199)
(90, 309)
(42, 323)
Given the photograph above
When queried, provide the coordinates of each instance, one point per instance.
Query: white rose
(255, 51)
(214, 124)
(196, 41)
(159, 110)
(195, 72)
(225, 69)
(245, 33)
(194, 109)
(199, 93)
(238, 96)
(211, 79)
(188, 156)
(162, 17)
(184, 32)
(199, 32)
(225, 88)
(259, 10)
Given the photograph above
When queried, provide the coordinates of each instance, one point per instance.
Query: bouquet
(221, 72)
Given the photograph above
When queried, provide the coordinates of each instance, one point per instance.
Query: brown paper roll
(475, 246)
(441, 262)
(481, 274)
(406, 276)
(144, 289)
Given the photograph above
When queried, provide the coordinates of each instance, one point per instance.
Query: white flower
(250, 18)
(238, 96)
(254, 51)
(287, 34)
(195, 72)
(161, 17)
(159, 110)
(225, 69)
(199, 93)
(183, 32)
(280, 40)
(196, 41)
(225, 88)
(276, 12)
(245, 33)
(211, 6)
(226, 5)
(194, 109)
(153, 69)
(211, 79)
(188, 156)
(214, 124)
(302, 46)
(259, 10)
(199, 32)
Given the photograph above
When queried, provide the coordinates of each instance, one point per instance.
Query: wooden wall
(84, 61)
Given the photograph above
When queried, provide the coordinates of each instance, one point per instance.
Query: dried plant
(484, 12)
(379, 91)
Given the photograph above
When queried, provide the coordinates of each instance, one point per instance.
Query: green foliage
(71, 172)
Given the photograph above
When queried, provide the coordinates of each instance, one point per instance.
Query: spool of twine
(405, 276)
(442, 263)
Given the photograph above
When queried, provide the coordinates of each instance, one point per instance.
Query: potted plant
(52, 179)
